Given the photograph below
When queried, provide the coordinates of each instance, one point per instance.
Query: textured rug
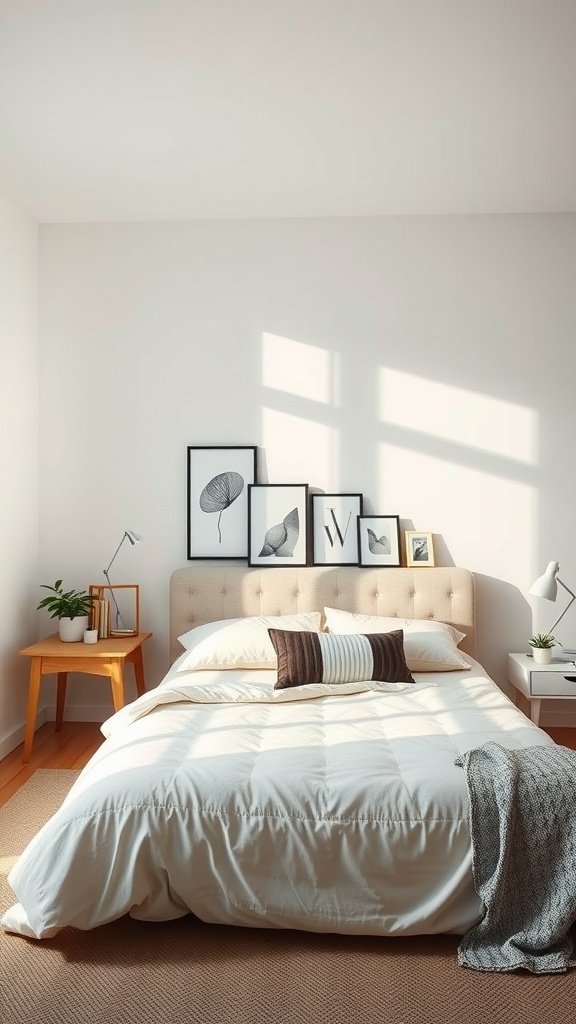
(187, 972)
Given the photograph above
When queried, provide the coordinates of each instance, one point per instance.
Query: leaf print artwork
(218, 482)
(378, 545)
(219, 494)
(280, 540)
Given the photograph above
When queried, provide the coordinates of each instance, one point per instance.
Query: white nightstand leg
(535, 711)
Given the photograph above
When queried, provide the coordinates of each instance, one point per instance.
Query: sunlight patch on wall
(457, 415)
(477, 511)
(300, 451)
(305, 371)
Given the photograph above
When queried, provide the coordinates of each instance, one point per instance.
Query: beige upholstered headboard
(205, 593)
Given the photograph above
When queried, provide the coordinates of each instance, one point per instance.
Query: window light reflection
(305, 371)
(458, 415)
(465, 504)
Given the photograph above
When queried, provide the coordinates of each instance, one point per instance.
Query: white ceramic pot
(72, 630)
(543, 655)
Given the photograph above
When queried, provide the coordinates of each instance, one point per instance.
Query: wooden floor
(75, 744)
(71, 748)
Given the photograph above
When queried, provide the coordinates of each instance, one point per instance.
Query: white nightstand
(556, 681)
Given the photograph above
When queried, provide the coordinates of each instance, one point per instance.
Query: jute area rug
(188, 971)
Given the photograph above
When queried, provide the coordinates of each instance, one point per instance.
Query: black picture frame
(218, 477)
(379, 540)
(334, 529)
(278, 525)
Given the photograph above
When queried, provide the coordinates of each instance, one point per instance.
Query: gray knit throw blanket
(523, 825)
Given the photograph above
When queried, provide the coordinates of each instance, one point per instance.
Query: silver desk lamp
(133, 537)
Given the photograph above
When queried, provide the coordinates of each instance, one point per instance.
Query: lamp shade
(546, 586)
(133, 537)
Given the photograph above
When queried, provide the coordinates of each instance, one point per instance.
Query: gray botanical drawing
(280, 540)
(378, 545)
(220, 492)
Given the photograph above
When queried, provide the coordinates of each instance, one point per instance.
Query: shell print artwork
(219, 494)
(280, 540)
(378, 545)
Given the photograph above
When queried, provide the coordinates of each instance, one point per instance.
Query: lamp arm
(562, 614)
(118, 618)
(107, 570)
(567, 589)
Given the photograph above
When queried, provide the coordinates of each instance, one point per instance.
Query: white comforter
(325, 808)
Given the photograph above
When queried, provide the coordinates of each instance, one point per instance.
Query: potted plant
(542, 644)
(70, 607)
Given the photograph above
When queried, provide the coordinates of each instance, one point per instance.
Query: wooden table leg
(61, 699)
(139, 670)
(535, 711)
(33, 694)
(117, 682)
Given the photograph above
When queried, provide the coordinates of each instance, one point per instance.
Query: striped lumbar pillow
(338, 658)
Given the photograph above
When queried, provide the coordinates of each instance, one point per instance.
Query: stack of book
(100, 617)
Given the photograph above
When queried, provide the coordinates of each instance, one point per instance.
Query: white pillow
(429, 646)
(339, 621)
(242, 642)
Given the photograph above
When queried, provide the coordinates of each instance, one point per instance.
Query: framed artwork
(277, 524)
(334, 531)
(379, 540)
(419, 548)
(218, 481)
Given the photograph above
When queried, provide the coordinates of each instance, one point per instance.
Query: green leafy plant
(69, 604)
(543, 640)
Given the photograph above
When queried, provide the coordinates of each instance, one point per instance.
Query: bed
(330, 806)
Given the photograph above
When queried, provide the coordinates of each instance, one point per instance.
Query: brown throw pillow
(338, 658)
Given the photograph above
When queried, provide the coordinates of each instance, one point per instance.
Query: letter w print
(334, 528)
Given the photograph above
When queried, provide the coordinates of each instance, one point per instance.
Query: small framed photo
(419, 548)
(277, 524)
(379, 540)
(334, 531)
(218, 481)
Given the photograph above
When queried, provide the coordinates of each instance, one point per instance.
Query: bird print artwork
(378, 545)
(281, 539)
(420, 549)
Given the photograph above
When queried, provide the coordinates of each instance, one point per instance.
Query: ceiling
(177, 109)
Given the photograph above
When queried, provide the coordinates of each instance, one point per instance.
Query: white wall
(19, 534)
(427, 362)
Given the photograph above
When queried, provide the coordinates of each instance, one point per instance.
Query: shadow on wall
(442, 555)
(497, 632)
(497, 635)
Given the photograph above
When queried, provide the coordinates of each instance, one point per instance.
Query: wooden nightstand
(104, 658)
(556, 681)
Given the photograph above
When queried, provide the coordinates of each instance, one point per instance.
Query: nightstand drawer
(553, 684)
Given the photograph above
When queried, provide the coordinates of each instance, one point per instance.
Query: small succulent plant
(543, 640)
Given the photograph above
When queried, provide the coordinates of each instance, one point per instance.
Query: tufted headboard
(209, 592)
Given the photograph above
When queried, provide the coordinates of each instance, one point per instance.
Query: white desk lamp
(133, 537)
(546, 586)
